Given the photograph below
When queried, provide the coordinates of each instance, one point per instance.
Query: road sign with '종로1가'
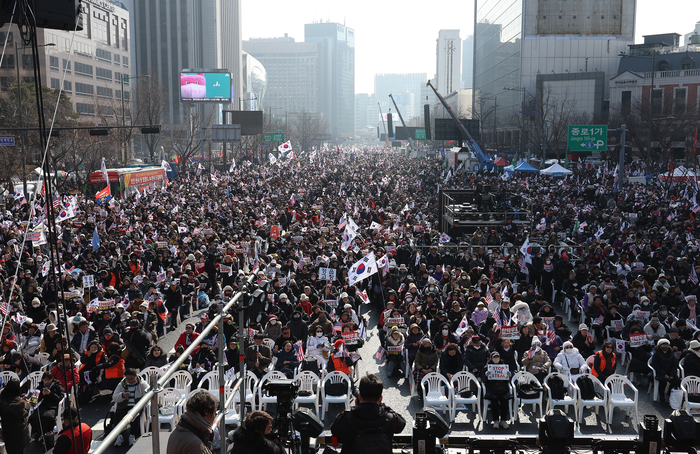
(588, 137)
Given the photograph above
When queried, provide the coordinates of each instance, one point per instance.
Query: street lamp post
(21, 114)
(126, 150)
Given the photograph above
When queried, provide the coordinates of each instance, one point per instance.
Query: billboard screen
(205, 86)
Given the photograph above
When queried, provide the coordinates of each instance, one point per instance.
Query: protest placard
(88, 281)
(326, 274)
(498, 372)
(394, 321)
(394, 348)
(617, 325)
(351, 338)
(509, 332)
(638, 340)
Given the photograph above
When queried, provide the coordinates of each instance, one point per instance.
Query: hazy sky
(399, 37)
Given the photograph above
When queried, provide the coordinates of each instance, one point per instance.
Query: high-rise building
(449, 55)
(468, 62)
(340, 43)
(526, 48)
(363, 101)
(298, 75)
(406, 90)
(187, 34)
(100, 55)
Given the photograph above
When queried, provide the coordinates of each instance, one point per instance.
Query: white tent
(680, 173)
(555, 170)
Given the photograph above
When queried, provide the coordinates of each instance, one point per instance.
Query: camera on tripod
(284, 390)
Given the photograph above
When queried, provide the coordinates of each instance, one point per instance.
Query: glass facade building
(497, 59)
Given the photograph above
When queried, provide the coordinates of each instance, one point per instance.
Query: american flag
(599, 320)
(56, 202)
(4, 308)
(497, 318)
(551, 337)
(488, 299)
(531, 352)
(693, 276)
(300, 351)
(590, 337)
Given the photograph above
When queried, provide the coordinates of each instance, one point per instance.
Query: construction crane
(386, 134)
(410, 140)
(484, 161)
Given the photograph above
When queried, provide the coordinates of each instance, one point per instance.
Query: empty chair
(233, 406)
(43, 358)
(182, 381)
(437, 392)
(335, 377)
(570, 390)
(148, 371)
(169, 407)
(6, 375)
(34, 379)
(525, 380)
(309, 392)
(263, 398)
(210, 382)
(596, 401)
(690, 385)
(617, 398)
(465, 382)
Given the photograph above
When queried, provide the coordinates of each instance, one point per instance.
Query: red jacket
(183, 339)
(60, 375)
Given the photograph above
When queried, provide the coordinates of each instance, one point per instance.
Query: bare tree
(305, 127)
(186, 138)
(151, 102)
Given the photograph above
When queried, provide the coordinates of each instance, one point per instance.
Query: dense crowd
(129, 270)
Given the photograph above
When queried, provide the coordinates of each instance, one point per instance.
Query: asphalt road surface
(397, 396)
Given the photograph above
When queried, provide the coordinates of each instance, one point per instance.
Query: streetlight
(126, 150)
(21, 116)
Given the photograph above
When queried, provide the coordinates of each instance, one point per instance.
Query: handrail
(165, 378)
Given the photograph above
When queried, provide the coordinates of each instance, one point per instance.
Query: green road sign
(588, 137)
(279, 130)
(273, 137)
(420, 134)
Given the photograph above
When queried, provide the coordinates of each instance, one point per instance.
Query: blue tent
(525, 167)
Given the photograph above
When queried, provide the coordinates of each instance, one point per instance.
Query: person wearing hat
(137, 344)
(498, 392)
(149, 320)
(426, 360)
(677, 342)
(394, 354)
(570, 362)
(664, 368)
(323, 322)
(66, 373)
(536, 360)
(128, 392)
(583, 342)
(14, 411)
(73, 431)
(50, 395)
(604, 362)
(655, 330)
(476, 355)
(691, 359)
(273, 327)
(172, 299)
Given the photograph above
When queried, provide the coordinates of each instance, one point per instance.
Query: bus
(124, 181)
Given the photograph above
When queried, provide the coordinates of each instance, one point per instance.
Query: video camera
(284, 390)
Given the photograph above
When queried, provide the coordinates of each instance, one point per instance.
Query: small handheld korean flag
(444, 238)
(364, 268)
(462, 326)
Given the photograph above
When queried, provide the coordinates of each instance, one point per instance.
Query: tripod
(284, 427)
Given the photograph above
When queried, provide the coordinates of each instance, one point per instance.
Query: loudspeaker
(426, 116)
(305, 420)
(438, 426)
(389, 125)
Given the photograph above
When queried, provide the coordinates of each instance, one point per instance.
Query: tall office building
(449, 56)
(100, 55)
(298, 75)
(524, 48)
(187, 34)
(468, 62)
(406, 89)
(340, 43)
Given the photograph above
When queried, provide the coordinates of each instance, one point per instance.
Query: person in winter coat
(129, 391)
(536, 360)
(66, 374)
(298, 327)
(287, 360)
(156, 357)
(560, 329)
(394, 355)
(50, 395)
(273, 329)
(426, 360)
(318, 344)
(187, 337)
(498, 392)
(691, 362)
(582, 342)
(250, 438)
(451, 361)
(324, 323)
(413, 341)
(604, 362)
(505, 348)
(14, 411)
(476, 355)
(444, 337)
(655, 330)
(570, 361)
(524, 343)
(480, 313)
(258, 356)
(194, 433)
(664, 368)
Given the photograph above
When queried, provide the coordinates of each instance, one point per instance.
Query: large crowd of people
(130, 270)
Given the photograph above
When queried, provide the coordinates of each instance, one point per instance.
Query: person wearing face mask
(691, 362)
(318, 344)
(298, 327)
(36, 311)
(322, 322)
(450, 361)
(570, 362)
(476, 355)
(505, 348)
(536, 360)
(273, 328)
(394, 356)
(498, 392)
(426, 361)
(444, 337)
(690, 310)
(419, 320)
(604, 362)
(655, 330)
(664, 367)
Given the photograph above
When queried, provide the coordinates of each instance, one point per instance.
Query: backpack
(556, 385)
(528, 390)
(310, 364)
(585, 384)
(373, 440)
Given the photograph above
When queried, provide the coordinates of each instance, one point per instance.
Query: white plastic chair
(689, 385)
(232, 410)
(169, 397)
(570, 389)
(617, 398)
(59, 415)
(148, 371)
(182, 381)
(655, 383)
(251, 386)
(34, 379)
(210, 382)
(6, 375)
(43, 358)
(461, 382)
(437, 392)
(487, 403)
(524, 377)
(681, 367)
(596, 401)
(263, 398)
(308, 382)
(319, 361)
(335, 377)
(410, 376)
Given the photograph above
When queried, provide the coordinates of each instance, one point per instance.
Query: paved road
(397, 396)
